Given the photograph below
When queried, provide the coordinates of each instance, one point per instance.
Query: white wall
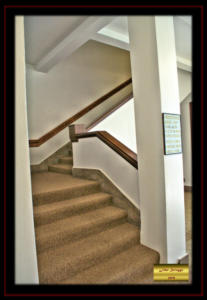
(186, 140)
(121, 124)
(91, 153)
(39, 154)
(25, 248)
(93, 70)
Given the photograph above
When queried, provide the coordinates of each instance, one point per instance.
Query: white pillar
(25, 249)
(155, 88)
(187, 142)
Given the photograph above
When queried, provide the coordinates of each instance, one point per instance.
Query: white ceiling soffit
(44, 48)
(116, 34)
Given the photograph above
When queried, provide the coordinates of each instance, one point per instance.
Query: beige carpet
(82, 238)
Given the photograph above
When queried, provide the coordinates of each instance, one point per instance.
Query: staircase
(81, 237)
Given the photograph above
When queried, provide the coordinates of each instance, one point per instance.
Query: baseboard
(52, 159)
(188, 188)
(107, 186)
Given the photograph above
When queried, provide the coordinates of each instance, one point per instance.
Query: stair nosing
(118, 209)
(68, 188)
(61, 166)
(41, 197)
(79, 197)
(66, 208)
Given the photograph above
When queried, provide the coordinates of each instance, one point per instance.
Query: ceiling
(42, 33)
(182, 25)
(47, 36)
(183, 37)
(120, 25)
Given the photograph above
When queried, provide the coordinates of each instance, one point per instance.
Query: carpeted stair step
(146, 278)
(47, 213)
(68, 260)
(130, 266)
(66, 160)
(60, 168)
(56, 192)
(76, 227)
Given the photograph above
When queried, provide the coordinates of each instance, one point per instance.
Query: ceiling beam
(186, 19)
(111, 41)
(72, 42)
(189, 94)
(184, 64)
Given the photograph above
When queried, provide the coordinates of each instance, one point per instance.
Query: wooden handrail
(109, 140)
(56, 130)
(109, 112)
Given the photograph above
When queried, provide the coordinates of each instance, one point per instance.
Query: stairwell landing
(81, 236)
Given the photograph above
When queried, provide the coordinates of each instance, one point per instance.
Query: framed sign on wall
(172, 133)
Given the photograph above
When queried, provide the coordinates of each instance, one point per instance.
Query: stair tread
(79, 223)
(45, 182)
(119, 268)
(61, 166)
(69, 203)
(80, 253)
(66, 159)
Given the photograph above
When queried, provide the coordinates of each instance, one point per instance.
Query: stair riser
(68, 161)
(69, 193)
(59, 170)
(78, 265)
(63, 213)
(67, 236)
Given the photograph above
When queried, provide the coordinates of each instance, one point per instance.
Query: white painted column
(155, 87)
(25, 249)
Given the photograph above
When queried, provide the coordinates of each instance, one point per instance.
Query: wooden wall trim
(113, 143)
(109, 112)
(56, 130)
